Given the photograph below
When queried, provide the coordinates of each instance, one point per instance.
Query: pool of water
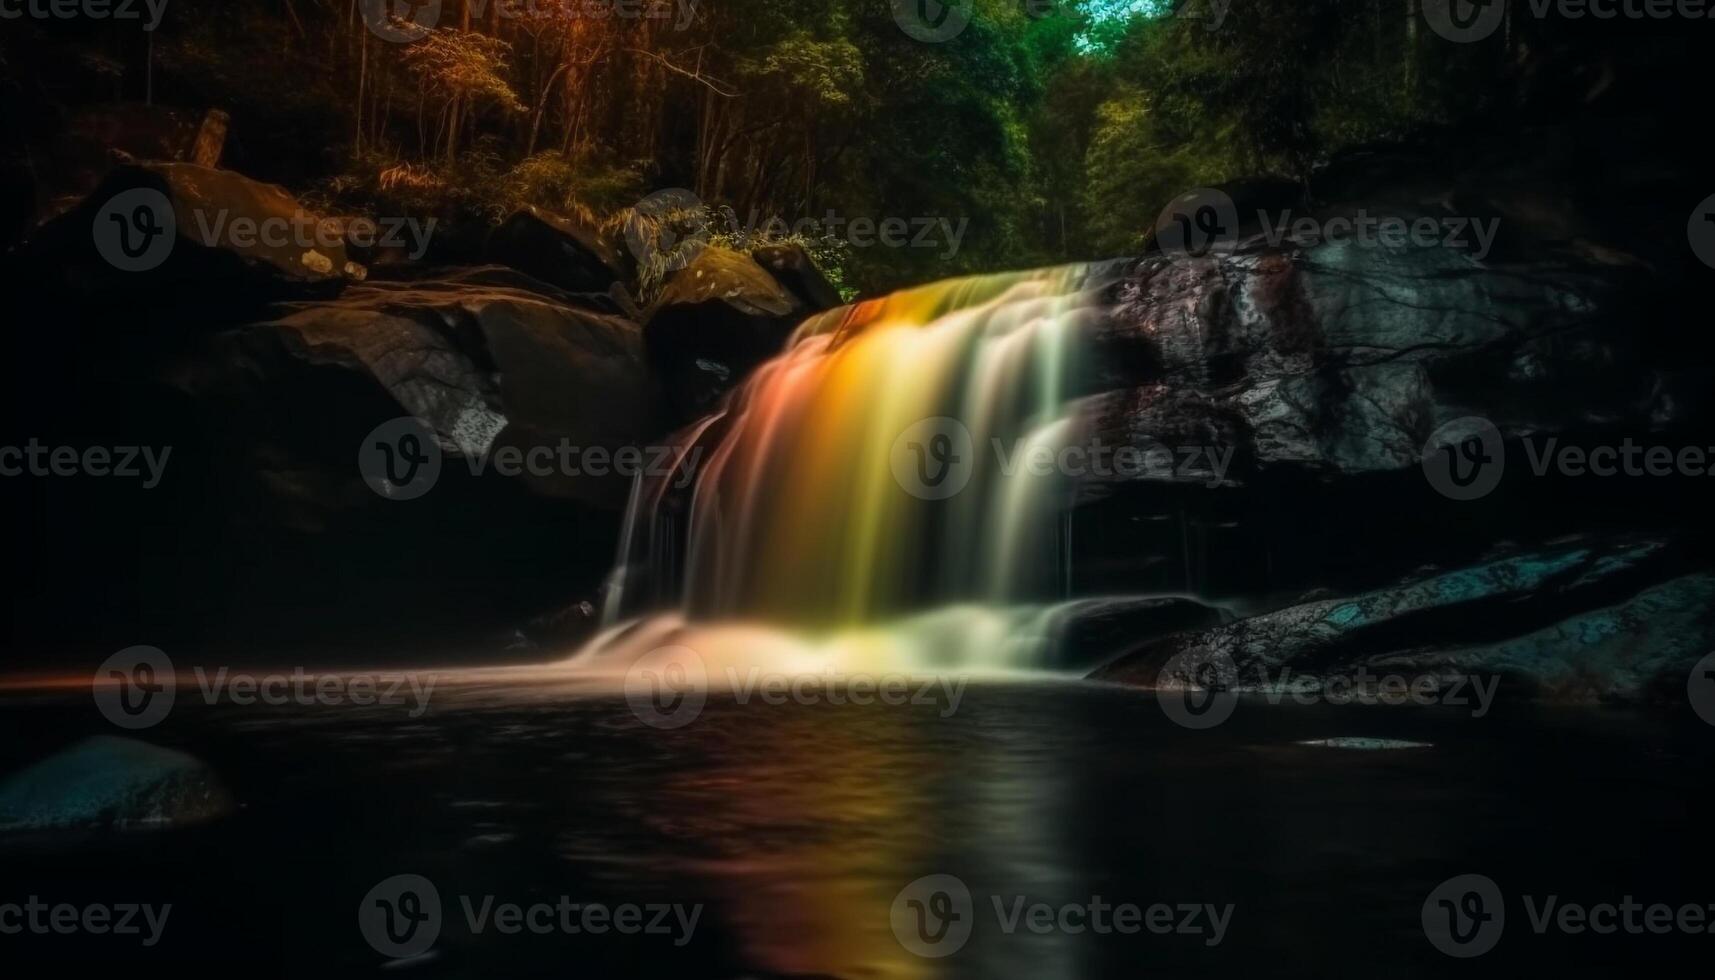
(794, 834)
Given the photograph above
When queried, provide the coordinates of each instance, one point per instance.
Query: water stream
(877, 495)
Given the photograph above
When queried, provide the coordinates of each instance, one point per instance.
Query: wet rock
(263, 535)
(1339, 358)
(793, 268)
(1096, 629)
(714, 321)
(488, 365)
(1586, 620)
(110, 783)
(1282, 393)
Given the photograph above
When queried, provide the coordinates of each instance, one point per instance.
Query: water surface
(796, 826)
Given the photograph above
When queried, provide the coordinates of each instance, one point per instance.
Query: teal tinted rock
(1580, 621)
(111, 783)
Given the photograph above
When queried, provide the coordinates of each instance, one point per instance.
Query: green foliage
(1055, 133)
(1274, 89)
(665, 236)
(463, 65)
(551, 181)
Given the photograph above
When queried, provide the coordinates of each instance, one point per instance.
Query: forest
(1041, 131)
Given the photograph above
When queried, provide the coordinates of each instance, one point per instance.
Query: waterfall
(892, 473)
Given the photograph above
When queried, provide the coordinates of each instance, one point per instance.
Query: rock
(110, 783)
(1096, 629)
(227, 246)
(489, 366)
(72, 163)
(1283, 393)
(793, 268)
(1341, 358)
(263, 535)
(213, 207)
(715, 321)
(558, 250)
(1586, 620)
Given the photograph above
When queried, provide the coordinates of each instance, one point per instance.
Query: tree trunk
(362, 80)
(1410, 58)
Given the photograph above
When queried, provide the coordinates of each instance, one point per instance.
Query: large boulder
(265, 535)
(1581, 621)
(558, 250)
(713, 322)
(181, 246)
(793, 268)
(106, 783)
(1285, 389)
(1339, 358)
(71, 163)
(485, 365)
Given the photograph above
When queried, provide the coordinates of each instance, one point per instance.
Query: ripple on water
(1362, 743)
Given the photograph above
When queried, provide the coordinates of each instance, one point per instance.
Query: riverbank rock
(558, 250)
(486, 365)
(266, 535)
(1095, 629)
(1582, 621)
(714, 321)
(107, 783)
(181, 247)
(793, 268)
(1285, 390)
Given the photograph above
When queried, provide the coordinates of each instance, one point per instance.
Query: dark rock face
(1285, 391)
(795, 270)
(1095, 628)
(229, 246)
(256, 372)
(485, 366)
(490, 370)
(1587, 620)
(262, 540)
(1340, 359)
(716, 320)
(558, 250)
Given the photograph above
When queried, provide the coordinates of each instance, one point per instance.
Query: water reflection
(806, 833)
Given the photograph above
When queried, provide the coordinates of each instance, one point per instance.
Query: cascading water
(883, 492)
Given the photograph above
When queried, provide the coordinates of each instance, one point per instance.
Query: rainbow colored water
(862, 497)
